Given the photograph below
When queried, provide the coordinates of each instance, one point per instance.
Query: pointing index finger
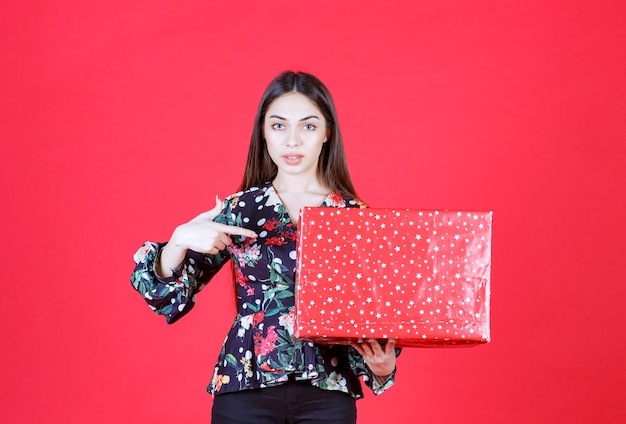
(238, 231)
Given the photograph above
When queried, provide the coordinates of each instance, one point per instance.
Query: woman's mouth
(292, 158)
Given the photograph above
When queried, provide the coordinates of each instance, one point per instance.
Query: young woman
(296, 158)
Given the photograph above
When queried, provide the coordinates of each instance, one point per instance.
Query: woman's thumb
(218, 206)
(209, 215)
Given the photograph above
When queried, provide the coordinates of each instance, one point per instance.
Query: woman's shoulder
(344, 200)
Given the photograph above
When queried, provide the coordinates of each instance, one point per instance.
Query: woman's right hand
(202, 235)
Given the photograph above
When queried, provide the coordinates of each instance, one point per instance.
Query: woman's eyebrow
(303, 119)
(309, 117)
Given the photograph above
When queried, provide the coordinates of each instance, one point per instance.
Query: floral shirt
(259, 350)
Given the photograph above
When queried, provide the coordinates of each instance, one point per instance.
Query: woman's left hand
(380, 359)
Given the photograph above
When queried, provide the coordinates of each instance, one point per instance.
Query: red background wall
(120, 120)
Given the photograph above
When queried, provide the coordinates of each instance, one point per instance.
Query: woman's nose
(293, 139)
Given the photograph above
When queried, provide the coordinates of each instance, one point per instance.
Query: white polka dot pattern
(419, 276)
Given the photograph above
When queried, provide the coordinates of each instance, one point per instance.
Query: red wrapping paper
(419, 276)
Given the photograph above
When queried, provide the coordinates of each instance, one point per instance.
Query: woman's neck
(299, 184)
(296, 193)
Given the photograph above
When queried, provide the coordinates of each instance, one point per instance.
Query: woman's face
(295, 131)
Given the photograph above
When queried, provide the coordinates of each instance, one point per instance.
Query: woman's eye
(309, 127)
(278, 126)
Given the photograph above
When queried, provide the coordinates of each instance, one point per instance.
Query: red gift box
(418, 276)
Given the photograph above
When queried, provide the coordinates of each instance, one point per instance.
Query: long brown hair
(332, 166)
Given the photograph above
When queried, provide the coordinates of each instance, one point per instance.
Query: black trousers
(290, 403)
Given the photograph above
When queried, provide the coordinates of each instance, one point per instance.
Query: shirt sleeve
(173, 297)
(360, 368)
